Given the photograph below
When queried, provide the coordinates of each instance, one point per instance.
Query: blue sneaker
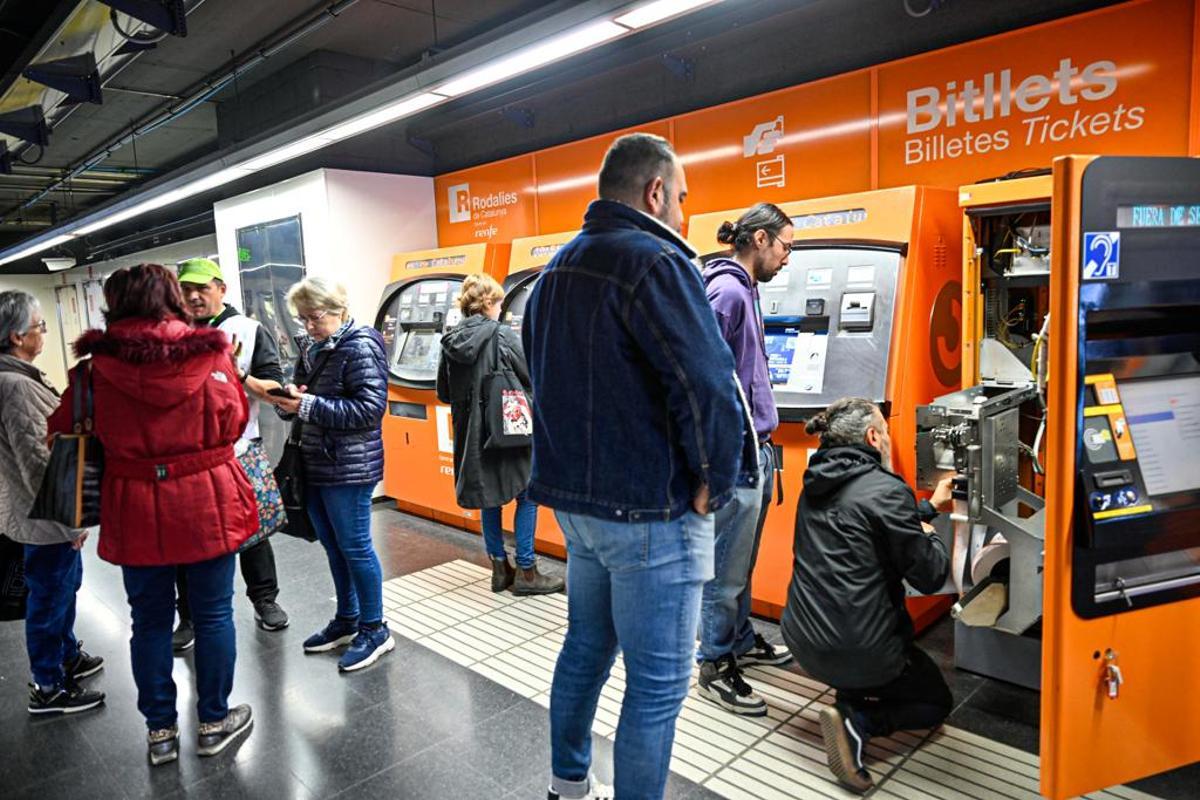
(337, 633)
(366, 648)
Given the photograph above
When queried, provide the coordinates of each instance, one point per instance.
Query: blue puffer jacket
(342, 440)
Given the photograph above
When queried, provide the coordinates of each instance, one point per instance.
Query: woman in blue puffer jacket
(339, 397)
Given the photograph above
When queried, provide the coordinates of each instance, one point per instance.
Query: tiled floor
(423, 725)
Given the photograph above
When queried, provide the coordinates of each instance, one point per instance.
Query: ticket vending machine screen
(1164, 417)
(412, 321)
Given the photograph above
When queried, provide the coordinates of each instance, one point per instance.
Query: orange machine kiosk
(867, 306)
(529, 255)
(415, 309)
(1122, 552)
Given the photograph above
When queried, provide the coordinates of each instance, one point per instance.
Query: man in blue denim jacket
(639, 435)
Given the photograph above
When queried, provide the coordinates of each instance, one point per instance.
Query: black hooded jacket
(858, 535)
(482, 478)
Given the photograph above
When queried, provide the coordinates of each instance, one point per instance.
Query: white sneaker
(596, 791)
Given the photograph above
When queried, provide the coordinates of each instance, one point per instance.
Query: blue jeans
(53, 573)
(725, 625)
(151, 593)
(526, 527)
(341, 516)
(635, 587)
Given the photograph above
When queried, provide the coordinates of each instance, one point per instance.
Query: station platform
(458, 709)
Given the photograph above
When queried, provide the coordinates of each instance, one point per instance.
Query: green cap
(199, 270)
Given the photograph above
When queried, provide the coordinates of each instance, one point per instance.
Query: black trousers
(917, 698)
(258, 570)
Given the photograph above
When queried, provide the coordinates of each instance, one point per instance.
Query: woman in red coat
(168, 409)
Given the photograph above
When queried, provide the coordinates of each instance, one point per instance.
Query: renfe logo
(460, 202)
(999, 96)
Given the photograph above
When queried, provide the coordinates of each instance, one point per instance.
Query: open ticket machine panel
(868, 306)
(528, 257)
(1122, 547)
(416, 308)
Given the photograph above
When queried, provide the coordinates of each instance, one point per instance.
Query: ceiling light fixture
(37, 248)
(389, 113)
(533, 57)
(659, 10)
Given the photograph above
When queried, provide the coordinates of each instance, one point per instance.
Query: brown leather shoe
(842, 753)
(502, 574)
(530, 581)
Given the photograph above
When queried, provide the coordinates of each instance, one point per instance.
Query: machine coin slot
(1113, 478)
(857, 311)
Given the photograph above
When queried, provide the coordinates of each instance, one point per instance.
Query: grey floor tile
(438, 773)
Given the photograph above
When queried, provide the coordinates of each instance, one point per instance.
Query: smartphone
(280, 392)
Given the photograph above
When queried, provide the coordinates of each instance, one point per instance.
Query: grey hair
(16, 315)
(845, 422)
(632, 161)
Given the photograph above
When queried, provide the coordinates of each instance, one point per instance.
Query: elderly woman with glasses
(53, 567)
(339, 398)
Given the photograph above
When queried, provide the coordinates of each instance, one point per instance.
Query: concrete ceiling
(735, 49)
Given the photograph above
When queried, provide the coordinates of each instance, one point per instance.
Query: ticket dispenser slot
(857, 311)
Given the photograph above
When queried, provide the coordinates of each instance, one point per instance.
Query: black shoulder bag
(507, 412)
(70, 490)
(289, 475)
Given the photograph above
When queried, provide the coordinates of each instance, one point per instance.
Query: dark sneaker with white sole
(184, 637)
(163, 745)
(721, 682)
(83, 665)
(337, 633)
(764, 654)
(269, 616)
(845, 743)
(368, 646)
(70, 698)
(216, 736)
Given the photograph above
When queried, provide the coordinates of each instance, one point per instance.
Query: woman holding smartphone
(339, 398)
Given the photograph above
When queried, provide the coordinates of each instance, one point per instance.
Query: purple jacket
(734, 300)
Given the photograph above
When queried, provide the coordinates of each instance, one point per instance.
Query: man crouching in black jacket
(859, 533)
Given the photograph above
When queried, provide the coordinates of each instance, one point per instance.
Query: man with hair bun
(760, 243)
(859, 533)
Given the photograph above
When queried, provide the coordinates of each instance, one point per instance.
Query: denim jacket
(635, 399)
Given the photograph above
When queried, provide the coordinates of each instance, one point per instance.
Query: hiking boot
(216, 736)
(530, 581)
(503, 574)
(368, 647)
(596, 791)
(845, 742)
(163, 745)
(270, 616)
(721, 682)
(70, 698)
(337, 633)
(183, 638)
(82, 665)
(764, 654)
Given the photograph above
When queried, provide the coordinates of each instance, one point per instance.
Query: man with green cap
(257, 356)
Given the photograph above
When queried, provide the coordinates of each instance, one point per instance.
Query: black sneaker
(83, 665)
(71, 698)
(216, 736)
(183, 638)
(721, 681)
(596, 791)
(845, 742)
(764, 654)
(270, 616)
(163, 745)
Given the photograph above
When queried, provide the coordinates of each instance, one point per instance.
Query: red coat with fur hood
(168, 408)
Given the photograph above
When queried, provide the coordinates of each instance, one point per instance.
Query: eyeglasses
(40, 328)
(306, 319)
(786, 245)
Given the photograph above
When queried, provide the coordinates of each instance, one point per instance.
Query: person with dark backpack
(489, 471)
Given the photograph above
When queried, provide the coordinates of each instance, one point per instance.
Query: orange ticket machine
(868, 306)
(418, 440)
(528, 257)
(1122, 551)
